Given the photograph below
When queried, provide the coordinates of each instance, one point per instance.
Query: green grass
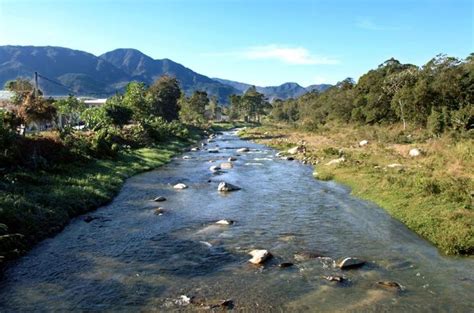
(38, 204)
(431, 194)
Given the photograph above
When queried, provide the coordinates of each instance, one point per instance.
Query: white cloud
(285, 54)
(290, 55)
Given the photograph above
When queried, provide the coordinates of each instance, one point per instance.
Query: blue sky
(260, 42)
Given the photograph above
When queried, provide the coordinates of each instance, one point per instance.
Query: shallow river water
(131, 260)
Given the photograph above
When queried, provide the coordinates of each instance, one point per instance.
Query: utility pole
(36, 85)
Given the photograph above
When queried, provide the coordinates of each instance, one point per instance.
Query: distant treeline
(439, 96)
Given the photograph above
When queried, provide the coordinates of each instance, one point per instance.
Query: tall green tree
(163, 98)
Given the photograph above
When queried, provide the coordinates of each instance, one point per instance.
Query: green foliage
(117, 113)
(193, 108)
(439, 96)
(95, 118)
(69, 110)
(163, 98)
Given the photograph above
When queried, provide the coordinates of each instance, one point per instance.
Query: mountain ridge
(84, 73)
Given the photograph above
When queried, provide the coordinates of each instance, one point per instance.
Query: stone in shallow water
(226, 165)
(390, 284)
(350, 262)
(259, 256)
(232, 159)
(159, 199)
(180, 186)
(243, 150)
(225, 187)
(159, 211)
(225, 222)
(335, 278)
(285, 264)
(215, 168)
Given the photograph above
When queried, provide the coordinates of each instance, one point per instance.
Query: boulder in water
(195, 149)
(390, 284)
(186, 157)
(159, 199)
(213, 150)
(285, 264)
(348, 263)
(245, 149)
(231, 159)
(225, 222)
(259, 256)
(336, 278)
(226, 165)
(180, 186)
(225, 187)
(159, 211)
(215, 168)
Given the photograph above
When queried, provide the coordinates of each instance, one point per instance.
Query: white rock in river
(226, 165)
(414, 152)
(336, 161)
(195, 149)
(186, 157)
(243, 150)
(363, 143)
(350, 263)
(213, 150)
(225, 222)
(231, 159)
(223, 186)
(215, 168)
(180, 186)
(159, 199)
(259, 256)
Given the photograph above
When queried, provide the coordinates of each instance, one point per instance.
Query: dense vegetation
(74, 158)
(438, 96)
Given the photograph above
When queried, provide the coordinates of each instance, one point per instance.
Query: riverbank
(430, 193)
(36, 204)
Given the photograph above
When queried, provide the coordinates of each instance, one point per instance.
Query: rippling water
(129, 259)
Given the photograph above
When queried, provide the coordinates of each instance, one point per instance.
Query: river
(128, 259)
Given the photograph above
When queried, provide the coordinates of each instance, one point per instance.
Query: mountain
(63, 71)
(284, 91)
(143, 68)
(86, 74)
(80, 71)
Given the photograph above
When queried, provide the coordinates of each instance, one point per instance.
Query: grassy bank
(431, 193)
(37, 204)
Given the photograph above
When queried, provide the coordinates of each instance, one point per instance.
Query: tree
(213, 107)
(193, 108)
(69, 110)
(36, 110)
(135, 99)
(397, 86)
(163, 98)
(21, 88)
(235, 107)
(117, 113)
(253, 104)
